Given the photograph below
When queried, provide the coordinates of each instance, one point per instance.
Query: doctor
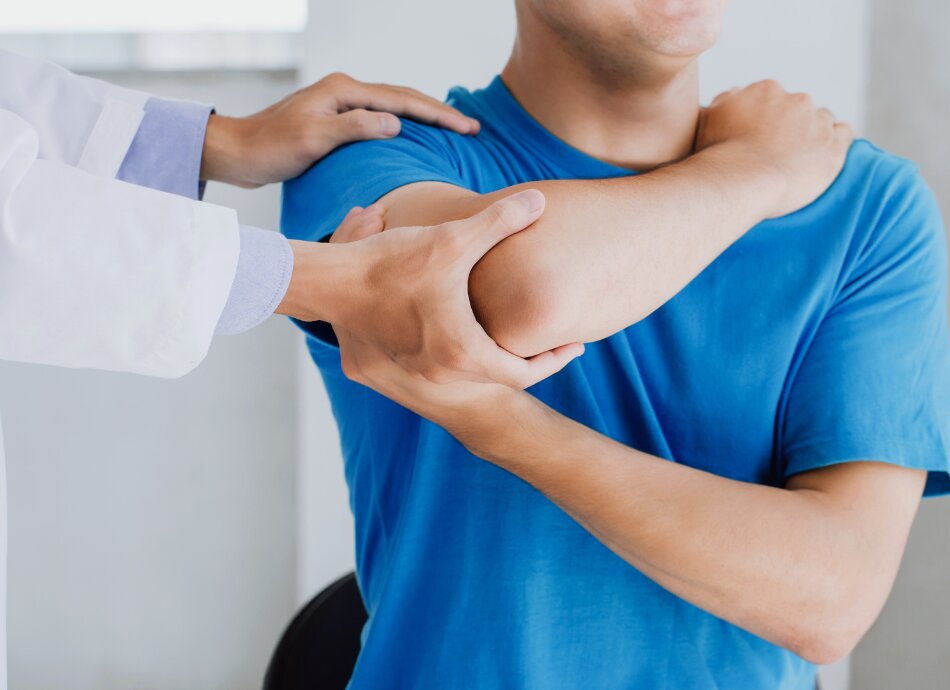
(109, 260)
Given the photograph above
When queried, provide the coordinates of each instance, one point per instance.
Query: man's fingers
(502, 219)
(408, 103)
(844, 132)
(723, 96)
(359, 223)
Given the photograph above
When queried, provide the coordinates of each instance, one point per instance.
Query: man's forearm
(803, 566)
(626, 245)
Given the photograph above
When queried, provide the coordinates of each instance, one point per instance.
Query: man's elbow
(524, 305)
(833, 634)
(822, 646)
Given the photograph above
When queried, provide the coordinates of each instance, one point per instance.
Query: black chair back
(318, 649)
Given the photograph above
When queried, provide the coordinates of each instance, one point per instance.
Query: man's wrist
(496, 425)
(763, 182)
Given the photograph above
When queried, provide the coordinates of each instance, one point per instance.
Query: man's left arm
(807, 566)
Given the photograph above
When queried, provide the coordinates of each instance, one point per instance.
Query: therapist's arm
(179, 145)
(628, 245)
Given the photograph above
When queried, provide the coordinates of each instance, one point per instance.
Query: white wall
(809, 45)
(434, 44)
(152, 523)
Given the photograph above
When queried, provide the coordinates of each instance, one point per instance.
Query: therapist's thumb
(502, 219)
(360, 124)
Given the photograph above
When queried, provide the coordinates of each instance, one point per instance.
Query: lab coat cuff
(214, 254)
(265, 265)
(166, 151)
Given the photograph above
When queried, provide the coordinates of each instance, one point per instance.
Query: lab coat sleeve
(83, 122)
(95, 272)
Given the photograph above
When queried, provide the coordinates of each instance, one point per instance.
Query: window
(122, 16)
(167, 35)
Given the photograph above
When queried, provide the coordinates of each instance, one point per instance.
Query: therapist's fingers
(500, 366)
(405, 102)
(359, 125)
(502, 219)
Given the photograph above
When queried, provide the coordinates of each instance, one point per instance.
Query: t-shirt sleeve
(361, 173)
(874, 383)
(314, 204)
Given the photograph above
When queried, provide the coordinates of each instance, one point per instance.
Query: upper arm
(361, 173)
(874, 382)
(418, 180)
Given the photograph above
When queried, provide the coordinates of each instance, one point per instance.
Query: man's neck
(637, 121)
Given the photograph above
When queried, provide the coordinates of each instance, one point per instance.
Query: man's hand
(288, 137)
(400, 298)
(804, 145)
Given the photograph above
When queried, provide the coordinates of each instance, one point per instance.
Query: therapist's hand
(285, 139)
(400, 297)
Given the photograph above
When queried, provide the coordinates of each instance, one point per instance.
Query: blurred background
(162, 533)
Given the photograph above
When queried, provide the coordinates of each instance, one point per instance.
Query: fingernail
(531, 199)
(389, 125)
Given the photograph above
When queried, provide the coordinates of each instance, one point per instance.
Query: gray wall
(152, 523)
(909, 108)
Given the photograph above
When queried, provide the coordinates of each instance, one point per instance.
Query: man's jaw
(634, 117)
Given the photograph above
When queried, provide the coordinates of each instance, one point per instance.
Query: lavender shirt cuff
(166, 151)
(166, 155)
(263, 274)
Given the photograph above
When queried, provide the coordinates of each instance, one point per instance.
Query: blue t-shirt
(816, 339)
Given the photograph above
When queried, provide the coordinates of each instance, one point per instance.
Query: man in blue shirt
(716, 494)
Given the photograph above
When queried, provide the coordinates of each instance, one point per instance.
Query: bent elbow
(822, 648)
(525, 307)
(828, 638)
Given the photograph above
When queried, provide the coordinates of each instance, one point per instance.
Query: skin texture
(663, 227)
(285, 139)
(807, 566)
(406, 292)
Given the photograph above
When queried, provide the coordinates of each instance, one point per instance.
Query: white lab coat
(95, 272)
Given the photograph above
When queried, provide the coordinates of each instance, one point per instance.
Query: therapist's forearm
(263, 274)
(324, 280)
(309, 281)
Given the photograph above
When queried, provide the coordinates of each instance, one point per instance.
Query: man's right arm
(606, 253)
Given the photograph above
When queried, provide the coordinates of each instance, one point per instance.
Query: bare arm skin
(630, 244)
(807, 566)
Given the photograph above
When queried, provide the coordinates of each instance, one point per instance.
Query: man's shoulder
(360, 173)
(887, 192)
(893, 217)
(878, 172)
